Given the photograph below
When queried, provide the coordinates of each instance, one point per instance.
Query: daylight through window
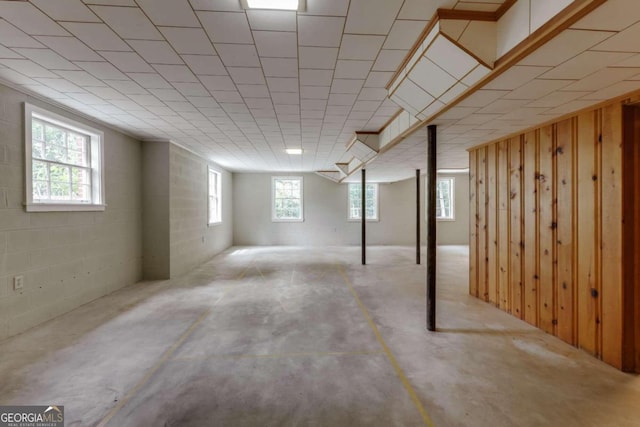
(287, 199)
(355, 201)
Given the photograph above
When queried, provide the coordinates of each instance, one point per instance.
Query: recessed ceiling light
(274, 4)
(293, 150)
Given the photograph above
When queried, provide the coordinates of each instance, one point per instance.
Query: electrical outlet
(18, 282)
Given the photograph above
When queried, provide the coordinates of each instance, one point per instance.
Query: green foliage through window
(287, 199)
(355, 201)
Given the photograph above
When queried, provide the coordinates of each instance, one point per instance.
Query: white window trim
(377, 218)
(97, 162)
(273, 199)
(219, 194)
(453, 199)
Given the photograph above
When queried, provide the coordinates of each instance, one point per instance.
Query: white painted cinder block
(66, 258)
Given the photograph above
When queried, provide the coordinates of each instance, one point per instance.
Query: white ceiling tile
(327, 7)
(314, 92)
(218, 82)
(192, 89)
(482, 98)
(47, 58)
(246, 75)
(316, 77)
(603, 78)
(36, 88)
(107, 93)
(372, 16)
(70, 47)
(177, 13)
(27, 67)
(176, 73)
(556, 99)
(227, 96)
(188, 40)
(413, 95)
(372, 94)
(88, 98)
(283, 84)
(584, 64)
(127, 87)
(451, 58)
(276, 44)
(285, 98)
(272, 20)
(167, 94)
(66, 10)
(614, 15)
(318, 57)
(155, 52)
(431, 78)
(102, 70)
(8, 53)
(613, 91)
(150, 80)
(205, 64)
(346, 86)
(218, 5)
(238, 55)
(502, 106)
(352, 69)
(81, 78)
(365, 105)
(61, 85)
(564, 46)
(10, 36)
(404, 34)
(389, 60)
(624, 41)
(378, 79)
(254, 91)
(226, 27)
(128, 22)
(360, 47)
(29, 19)
(537, 88)
(129, 62)
(321, 31)
(341, 99)
(280, 67)
(515, 77)
(97, 36)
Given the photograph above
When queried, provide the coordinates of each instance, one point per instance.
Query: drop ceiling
(238, 87)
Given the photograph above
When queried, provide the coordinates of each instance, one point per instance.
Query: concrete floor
(300, 336)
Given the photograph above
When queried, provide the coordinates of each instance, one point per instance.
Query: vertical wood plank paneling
(611, 235)
(473, 223)
(492, 230)
(563, 188)
(482, 222)
(530, 228)
(546, 206)
(586, 258)
(503, 226)
(515, 225)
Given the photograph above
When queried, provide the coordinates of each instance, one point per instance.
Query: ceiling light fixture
(274, 4)
(465, 170)
(296, 151)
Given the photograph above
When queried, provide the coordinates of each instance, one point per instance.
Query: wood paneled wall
(547, 231)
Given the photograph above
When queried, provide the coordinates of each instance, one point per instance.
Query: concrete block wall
(192, 240)
(67, 258)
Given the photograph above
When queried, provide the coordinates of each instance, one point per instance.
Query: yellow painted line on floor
(277, 355)
(167, 354)
(399, 372)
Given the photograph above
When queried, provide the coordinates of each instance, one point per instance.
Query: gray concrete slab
(307, 336)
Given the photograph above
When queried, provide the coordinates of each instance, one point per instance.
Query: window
(215, 197)
(64, 161)
(287, 198)
(355, 201)
(444, 199)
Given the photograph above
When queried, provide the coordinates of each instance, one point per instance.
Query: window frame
(218, 196)
(377, 204)
(453, 198)
(96, 161)
(273, 199)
